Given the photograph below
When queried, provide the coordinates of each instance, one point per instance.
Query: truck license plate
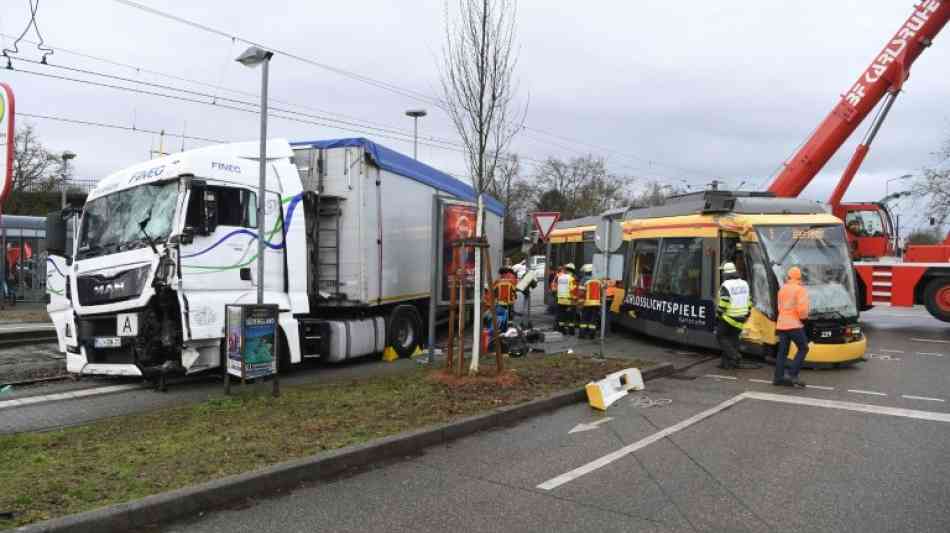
(107, 342)
(825, 334)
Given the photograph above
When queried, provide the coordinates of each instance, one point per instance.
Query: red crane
(926, 281)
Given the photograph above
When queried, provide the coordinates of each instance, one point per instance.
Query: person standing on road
(792, 309)
(590, 309)
(567, 312)
(733, 311)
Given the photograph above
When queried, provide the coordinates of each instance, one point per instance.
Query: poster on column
(457, 220)
(7, 115)
(251, 340)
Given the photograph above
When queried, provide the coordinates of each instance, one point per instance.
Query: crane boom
(885, 76)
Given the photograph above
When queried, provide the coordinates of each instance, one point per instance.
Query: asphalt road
(863, 449)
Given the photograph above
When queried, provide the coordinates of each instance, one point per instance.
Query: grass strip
(49, 474)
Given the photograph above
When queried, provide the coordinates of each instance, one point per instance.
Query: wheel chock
(600, 394)
(390, 355)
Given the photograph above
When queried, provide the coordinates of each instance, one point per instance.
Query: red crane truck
(923, 276)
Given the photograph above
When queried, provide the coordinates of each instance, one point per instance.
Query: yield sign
(544, 221)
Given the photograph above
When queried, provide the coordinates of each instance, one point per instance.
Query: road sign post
(607, 242)
(544, 222)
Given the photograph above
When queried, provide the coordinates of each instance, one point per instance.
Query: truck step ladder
(329, 211)
(881, 284)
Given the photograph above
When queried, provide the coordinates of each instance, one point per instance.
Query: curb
(189, 501)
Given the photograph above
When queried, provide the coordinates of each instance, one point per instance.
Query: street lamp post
(252, 57)
(887, 183)
(416, 114)
(67, 155)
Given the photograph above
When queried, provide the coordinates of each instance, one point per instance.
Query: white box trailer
(371, 241)
(164, 245)
(375, 221)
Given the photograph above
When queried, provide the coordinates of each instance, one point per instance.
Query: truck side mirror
(56, 233)
(209, 212)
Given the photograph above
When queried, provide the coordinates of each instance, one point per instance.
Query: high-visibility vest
(505, 292)
(734, 302)
(792, 306)
(565, 289)
(592, 291)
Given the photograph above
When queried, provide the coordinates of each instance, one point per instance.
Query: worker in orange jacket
(590, 304)
(792, 309)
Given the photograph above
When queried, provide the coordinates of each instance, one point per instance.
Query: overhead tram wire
(251, 108)
(91, 123)
(213, 98)
(208, 85)
(343, 72)
(402, 91)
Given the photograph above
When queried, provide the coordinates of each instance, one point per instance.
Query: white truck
(164, 245)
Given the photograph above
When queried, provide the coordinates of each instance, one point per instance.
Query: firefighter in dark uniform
(733, 311)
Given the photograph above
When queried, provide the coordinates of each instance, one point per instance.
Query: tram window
(679, 271)
(732, 252)
(642, 262)
(759, 280)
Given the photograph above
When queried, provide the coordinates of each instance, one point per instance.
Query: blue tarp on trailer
(393, 161)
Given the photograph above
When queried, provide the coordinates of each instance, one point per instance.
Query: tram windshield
(821, 252)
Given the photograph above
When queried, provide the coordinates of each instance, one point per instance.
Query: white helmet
(588, 268)
(569, 266)
(729, 268)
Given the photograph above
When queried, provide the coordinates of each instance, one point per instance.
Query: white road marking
(717, 376)
(589, 426)
(939, 341)
(930, 353)
(605, 460)
(819, 387)
(553, 483)
(924, 398)
(891, 351)
(70, 395)
(766, 381)
(871, 392)
(41, 327)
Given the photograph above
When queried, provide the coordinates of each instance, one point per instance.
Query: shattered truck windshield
(113, 222)
(821, 252)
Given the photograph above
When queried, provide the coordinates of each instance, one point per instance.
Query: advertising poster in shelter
(458, 223)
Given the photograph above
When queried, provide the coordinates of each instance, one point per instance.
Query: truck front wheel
(405, 330)
(937, 298)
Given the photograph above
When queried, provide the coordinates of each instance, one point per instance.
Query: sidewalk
(24, 312)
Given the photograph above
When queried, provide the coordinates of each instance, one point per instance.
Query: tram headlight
(854, 332)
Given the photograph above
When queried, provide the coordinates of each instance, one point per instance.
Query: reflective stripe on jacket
(792, 306)
(565, 289)
(505, 292)
(734, 302)
(592, 293)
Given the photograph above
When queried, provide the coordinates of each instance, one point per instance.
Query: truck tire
(405, 330)
(937, 298)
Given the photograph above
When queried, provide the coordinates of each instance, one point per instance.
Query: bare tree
(478, 83)
(34, 167)
(934, 186)
(581, 186)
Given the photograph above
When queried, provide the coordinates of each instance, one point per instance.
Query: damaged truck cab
(161, 248)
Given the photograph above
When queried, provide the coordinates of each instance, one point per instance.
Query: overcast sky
(665, 90)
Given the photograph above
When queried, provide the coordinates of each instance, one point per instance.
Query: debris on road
(601, 394)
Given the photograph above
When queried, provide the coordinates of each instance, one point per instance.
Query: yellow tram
(672, 267)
